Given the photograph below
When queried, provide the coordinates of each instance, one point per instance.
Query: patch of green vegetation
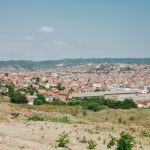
(90, 131)
(63, 140)
(64, 119)
(29, 107)
(36, 118)
(126, 141)
(97, 104)
(91, 144)
(112, 142)
(40, 100)
(132, 118)
(14, 115)
(144, 134)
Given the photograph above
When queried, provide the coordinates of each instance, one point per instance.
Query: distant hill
(22, 65)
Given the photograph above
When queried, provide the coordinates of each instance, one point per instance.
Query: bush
(132, 118)
(59, 119)
(97, 103)
(91, 144)
(112, 142)
(15, 115)
(63, 140)
(18, 98)
(145, 134)
(128, 103)
(93, 106)
(38, 102)
(36, 118)
(74, 103)
(58, 102)
(41, 97)
(126, 141)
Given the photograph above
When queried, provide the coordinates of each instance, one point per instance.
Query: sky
(59, 29)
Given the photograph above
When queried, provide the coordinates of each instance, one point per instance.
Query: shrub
(58, 119)
(41, 97)
(58, 102)
(63, 140)
(18, 98)
(15, 115)
(145, 134)
(128, 103)
(38, 102)
(36, 118)
(84, 112)
(112, 142)
(91, 144)
(74, 103)
(120, 120)
(93, 106)
(132, 118)
(126, 141)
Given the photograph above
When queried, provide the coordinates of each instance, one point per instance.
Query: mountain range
(28, 65)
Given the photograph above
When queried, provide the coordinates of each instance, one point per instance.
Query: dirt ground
(18, 133)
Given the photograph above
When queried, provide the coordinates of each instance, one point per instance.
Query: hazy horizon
(53, 30)
(75, 59)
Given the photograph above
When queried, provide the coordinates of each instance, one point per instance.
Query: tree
(10, 89)
(41, 97)
(31, 90)
(128, 103)
(40, 100)
(59, 87)
(18, 98)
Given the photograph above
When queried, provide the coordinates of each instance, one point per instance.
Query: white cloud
(29, 38)
(61, 43)
(46, 29)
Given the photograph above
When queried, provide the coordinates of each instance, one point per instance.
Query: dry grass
(96, 125)
(139, 117)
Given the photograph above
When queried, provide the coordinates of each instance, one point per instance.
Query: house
(143, 103)
(30, 99)
(53, 92)
(63, 95)
(3, 90)
(42, 91)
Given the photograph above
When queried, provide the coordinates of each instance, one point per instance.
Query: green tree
(18, 98)
(38, 102)
(31, 90)
(11, 89)
(128, 103)
(41, 97)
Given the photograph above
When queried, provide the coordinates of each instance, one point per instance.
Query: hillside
(22, 65)
(23, 127)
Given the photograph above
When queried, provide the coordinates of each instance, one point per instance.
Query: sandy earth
(16, 134)
(43, 136)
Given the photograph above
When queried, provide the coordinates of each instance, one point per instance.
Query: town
(114, 81)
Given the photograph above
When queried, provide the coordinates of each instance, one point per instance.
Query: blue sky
(57, 29)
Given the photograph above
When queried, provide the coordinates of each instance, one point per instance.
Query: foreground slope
(17, 131)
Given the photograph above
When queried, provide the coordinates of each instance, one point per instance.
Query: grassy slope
(89, 124)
